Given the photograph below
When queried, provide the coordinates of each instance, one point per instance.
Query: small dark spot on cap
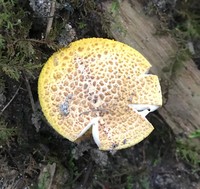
(95, 99)
(124, 141)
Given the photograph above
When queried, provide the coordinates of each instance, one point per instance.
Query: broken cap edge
(60, 130)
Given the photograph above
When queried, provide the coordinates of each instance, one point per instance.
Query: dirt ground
(38, 158)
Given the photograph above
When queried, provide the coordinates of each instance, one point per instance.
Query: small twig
(32, 40)
(52, 173)
(77, 177)
(89, 170)
(36, 124)
(13, 160)
(10, 100)
(100, 184)
(50, 20)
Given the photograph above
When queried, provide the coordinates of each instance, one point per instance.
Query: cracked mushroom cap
(103, 84)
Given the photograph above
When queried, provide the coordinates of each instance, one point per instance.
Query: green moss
(177, 60)
(195, 134)
(18, 55)
(114, 7)
(188, 150)
(5, 131)
(188, 16)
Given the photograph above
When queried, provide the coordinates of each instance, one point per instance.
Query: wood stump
(181, 93)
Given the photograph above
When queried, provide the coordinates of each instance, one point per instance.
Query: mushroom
(100, 84)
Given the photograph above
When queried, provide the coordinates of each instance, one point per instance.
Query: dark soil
(42, 159)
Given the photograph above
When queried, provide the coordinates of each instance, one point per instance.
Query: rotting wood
(130, 25)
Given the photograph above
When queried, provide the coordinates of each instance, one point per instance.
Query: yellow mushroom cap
(103, 84)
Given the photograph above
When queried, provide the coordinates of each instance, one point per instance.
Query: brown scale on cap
(91, 83)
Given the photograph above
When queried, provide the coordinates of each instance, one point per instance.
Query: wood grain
(130, 25)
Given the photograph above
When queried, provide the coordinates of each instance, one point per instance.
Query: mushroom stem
(143, 109)
(95, 131)
(93, 122)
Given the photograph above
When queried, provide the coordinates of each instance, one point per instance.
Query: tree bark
(181, 93)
